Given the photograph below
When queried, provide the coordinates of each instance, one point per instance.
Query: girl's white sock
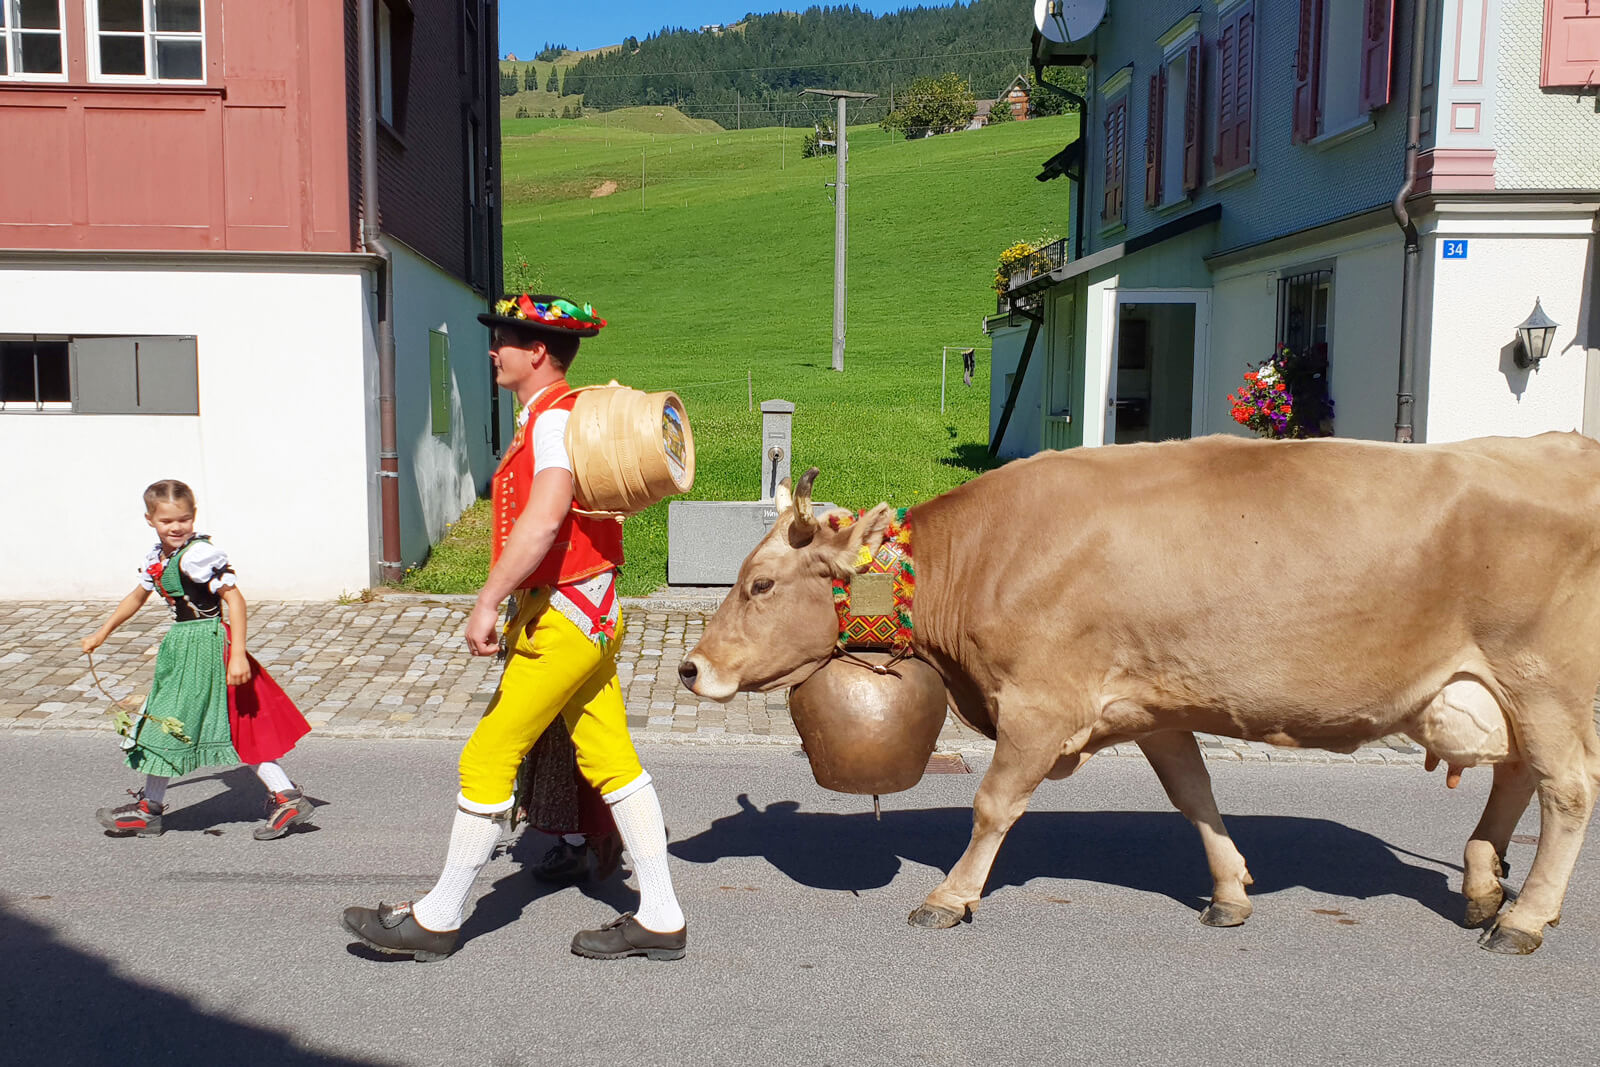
(472, 842)
(155, 788)
(637, 812)
(273, 778)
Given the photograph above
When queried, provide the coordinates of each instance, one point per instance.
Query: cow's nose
(687, 673)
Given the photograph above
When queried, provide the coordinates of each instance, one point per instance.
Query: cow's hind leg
(1564, 755)
(1177, 762)
(1002, 797)
(1484, 862)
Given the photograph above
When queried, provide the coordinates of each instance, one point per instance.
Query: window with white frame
(35, 374)
(1172, 132)
(392, 33)
(147, 40)
(1342, 65)
(31, 40)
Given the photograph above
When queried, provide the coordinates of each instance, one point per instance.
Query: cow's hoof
(1222, 913)
(1510, 942)
(931, 918)
(1482, 910)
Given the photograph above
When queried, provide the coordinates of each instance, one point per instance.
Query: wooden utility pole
(840, 227)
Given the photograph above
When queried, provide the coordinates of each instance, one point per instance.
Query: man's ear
(844, 551)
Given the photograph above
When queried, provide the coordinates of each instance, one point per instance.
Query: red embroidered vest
(583, 546)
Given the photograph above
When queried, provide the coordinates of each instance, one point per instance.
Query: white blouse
(204, 564)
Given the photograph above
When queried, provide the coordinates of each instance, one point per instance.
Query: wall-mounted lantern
(1533, 337)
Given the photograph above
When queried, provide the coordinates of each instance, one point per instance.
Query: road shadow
(1156, 852)
(243, 801)
(511, 895)
(67, 1007)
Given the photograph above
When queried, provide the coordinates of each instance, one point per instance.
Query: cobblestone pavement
(397, 666)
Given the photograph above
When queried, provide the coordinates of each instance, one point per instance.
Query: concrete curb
(1368, 757)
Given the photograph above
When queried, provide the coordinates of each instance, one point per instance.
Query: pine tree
(553, 83)
(530, 78)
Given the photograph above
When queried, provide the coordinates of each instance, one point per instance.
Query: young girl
(229, 709)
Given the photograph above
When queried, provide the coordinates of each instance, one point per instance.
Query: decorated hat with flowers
(544, 314)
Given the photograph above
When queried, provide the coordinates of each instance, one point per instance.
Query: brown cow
(1304, 593)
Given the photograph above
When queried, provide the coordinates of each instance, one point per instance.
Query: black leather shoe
(623, 937)
(393, 929)
(564, 864)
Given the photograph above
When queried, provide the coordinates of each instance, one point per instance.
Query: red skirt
(265, 722)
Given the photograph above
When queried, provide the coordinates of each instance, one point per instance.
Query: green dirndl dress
(191, 685)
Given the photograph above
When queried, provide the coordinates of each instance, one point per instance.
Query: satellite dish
(1066, 21)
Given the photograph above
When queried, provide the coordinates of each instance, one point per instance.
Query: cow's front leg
(1003, 796)
(1566, 800)
(1484, 863)
(1177, 762)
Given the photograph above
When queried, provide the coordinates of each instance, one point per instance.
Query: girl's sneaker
(140, 818)
(288, 808)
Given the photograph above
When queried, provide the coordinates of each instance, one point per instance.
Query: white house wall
(1024, 431)
(277, 456)
(1363, 330)
(1474, 386)
(440, 475)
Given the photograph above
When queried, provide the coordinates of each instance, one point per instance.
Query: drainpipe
(1410, 278)
(390, 566)
(1083, 116)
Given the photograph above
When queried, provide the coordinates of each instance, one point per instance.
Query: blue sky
(525, 25)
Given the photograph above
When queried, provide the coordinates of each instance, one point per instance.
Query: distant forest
(750, 73)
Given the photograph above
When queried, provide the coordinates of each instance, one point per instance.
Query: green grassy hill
(537, 101)
(712, 256)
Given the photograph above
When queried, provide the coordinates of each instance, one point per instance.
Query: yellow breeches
(551, 669)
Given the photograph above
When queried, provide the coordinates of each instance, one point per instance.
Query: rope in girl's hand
(125, 722)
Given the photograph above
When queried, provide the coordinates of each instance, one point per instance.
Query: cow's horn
(802, 500)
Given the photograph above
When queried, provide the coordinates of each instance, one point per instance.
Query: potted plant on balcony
(1286, 395)
(1021, 261)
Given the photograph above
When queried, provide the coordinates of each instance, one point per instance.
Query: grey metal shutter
(135, 376)
(103, 379)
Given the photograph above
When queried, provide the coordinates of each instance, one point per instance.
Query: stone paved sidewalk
(397, 666)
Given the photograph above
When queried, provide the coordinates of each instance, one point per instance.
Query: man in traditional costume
(561, 659)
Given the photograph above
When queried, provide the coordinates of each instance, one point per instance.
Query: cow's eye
(761, 585)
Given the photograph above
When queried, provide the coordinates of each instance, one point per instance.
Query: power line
(806, 66)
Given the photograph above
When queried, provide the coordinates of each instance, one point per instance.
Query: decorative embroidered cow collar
(874, 604)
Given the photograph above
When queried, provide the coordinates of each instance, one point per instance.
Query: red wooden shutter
(1223, 161)
(1244, 84)
(1119, 139)
(1571, 43)
(1108, 196)
(1377, 47)
(1191, 123)
(1308, 71)
(1152, 139)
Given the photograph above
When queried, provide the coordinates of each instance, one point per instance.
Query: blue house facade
(1242, 182)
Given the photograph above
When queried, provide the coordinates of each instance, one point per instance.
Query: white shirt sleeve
(550, 442)
(205, 562)
(147, 583)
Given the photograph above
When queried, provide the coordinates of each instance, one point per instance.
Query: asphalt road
(205, 946)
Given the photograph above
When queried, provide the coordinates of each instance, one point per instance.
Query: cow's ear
(866, 532)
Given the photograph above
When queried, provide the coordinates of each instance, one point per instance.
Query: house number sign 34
(1455, 250)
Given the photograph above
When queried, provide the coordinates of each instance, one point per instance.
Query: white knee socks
(637, 812)
(155, 788)
(273, 778)
(472, 842)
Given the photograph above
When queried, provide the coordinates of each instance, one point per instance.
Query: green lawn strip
(728, 271)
